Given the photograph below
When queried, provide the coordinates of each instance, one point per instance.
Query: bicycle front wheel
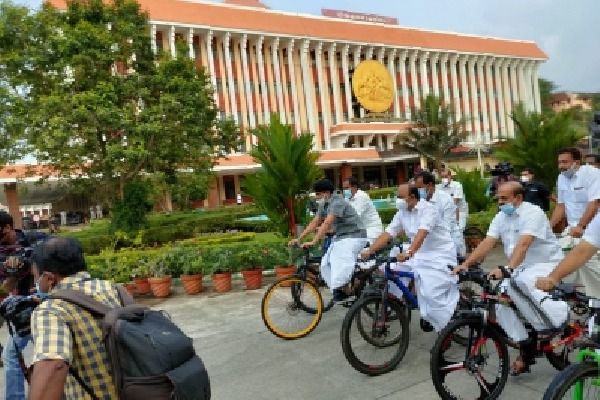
(374, 339)
(292, 308)
(576, 382)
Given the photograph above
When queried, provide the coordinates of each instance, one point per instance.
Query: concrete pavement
(245, 361)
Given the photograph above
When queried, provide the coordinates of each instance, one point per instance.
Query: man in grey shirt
(336, 213)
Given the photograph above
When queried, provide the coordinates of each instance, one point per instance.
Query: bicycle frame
(394, 276)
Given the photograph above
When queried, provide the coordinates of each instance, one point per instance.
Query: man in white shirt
(578, 189)
(532, 250)
(445, 206)
(364, 208)
(455, 190)
(431, 252)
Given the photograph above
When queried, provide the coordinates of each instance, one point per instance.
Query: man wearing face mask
(445, 206)
(337, 264)
(430, 252)
(593, 160)
(364, 208)
(455, 190)
(578, 189)
(532, 250)
(535, 192)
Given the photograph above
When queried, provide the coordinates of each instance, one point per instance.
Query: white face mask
(570, 172)
(445, 181)
(401, 204)
(524, 179)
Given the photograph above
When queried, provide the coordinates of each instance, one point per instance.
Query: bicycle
(571, 382)
(385, 328)
(484, 337)
(292, 307)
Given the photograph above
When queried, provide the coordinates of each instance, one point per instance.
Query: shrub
(474, 187)
(387, 214)
(383, 193)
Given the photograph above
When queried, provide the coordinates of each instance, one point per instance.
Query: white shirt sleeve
(494, 229)
(593, 184)
(395, 227)
(533, 223)
(428, 217)
(592, 232)
(560, 190)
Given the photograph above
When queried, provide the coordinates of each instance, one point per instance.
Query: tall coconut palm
(288, 169)
(436, 130)
(537, 141)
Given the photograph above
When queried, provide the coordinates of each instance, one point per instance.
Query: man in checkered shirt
(64, 335)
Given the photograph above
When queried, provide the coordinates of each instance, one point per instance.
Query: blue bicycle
(375, 332)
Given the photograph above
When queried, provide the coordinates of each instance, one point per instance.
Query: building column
(228, 67)
(513, 82)
(12, 201)
(214, 195)
(261, 75)
(291, 68)
(246, 72)
(335, 84)
(369, 55)
(465, 93)
(172, 45)
(434, 73)
(153, 36)
(401, 172)
(392, 70)
(345, 171)
(405, 99)
(423, 57)
(381, 54)
(529, 85)
(357, 50)
(277, 68)
(211, 67)
(500, 89)
(444, 71)
(508, 99)
(308, 90)
(483, 100)
(324, 95)
(536, 87)
(412, 59)
(475, 106)
(453, 63)
(191, 52)
(493, 118)
(346, 72)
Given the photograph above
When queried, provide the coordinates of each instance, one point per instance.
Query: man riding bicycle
(532, 250)
(338, 262)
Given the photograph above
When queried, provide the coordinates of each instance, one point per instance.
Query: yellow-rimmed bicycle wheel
(292, 308)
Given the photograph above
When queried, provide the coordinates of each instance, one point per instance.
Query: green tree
(546, 89)
(537, 140)
(288, 170)
(129, 213)
(436, 130)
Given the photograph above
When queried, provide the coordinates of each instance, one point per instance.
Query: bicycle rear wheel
(576, 382)
(284, 308)
(476, 371)
(375, 340)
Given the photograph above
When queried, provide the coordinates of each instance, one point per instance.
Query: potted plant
(220, 268)
(140, 276)
(285, 258)
(160, 280)
(250, 260)
(191, 276)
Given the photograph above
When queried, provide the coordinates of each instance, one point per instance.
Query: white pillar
(435, 79)
(357, 50)
(513, 82)
(500, 89)
(293, 82)
(228, 67)
(412, 58)
(529, 83)
(153, 41)
(369, 55)
(492, 115)
(453, 63)
(348, 91)
(405, 99)
(465, 93)
(536, 86)
(277, 68)
(335, 83)
(444, 71)
(392, 70)
(172, 46)
(424, 56)
(211, 66)
(191, 44)
(509, 102)
(308, 89)
(381, 54)
(246, 72)
(261, 75)
(475, 103)
(324, 94)
(483, 99)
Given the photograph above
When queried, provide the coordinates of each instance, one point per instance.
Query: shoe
(339, 296)
(519, 366)
(425, 325)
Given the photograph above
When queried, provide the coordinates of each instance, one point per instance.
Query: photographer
(502, 173)
(15, 275)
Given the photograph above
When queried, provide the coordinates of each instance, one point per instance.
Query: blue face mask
(347, 194)
(39, 293)
(423, 193)
(508, 209)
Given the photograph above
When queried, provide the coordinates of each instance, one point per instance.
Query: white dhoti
(589, 274)
(525, 277)
(462, 220)
(339, 261)
(459, 239)
(437, 292)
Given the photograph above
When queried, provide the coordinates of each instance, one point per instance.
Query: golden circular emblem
(373, 86)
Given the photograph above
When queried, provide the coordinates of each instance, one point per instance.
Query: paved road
(245, 361)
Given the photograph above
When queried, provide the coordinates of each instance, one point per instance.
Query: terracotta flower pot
(130, 288)
(192, 283)
(253, 279)
(142, 285)
(284, 272)
(222, 282)
(161, 287)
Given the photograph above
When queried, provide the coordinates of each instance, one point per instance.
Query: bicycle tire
(401, 344)
(568, 377)
(465, 302)
(293, 307)
(439, 367)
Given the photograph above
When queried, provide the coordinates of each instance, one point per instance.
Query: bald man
(533, 251)
(431, 251)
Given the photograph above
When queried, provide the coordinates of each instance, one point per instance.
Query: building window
(399, 91)
(428, 66)
(495, 94)
(460, 93)
(235, 86)
(330, 86)
(343, 89)
(345, 118)
(313, 58)
(239, 118)
(338, 56)
(478, 94)
(332, 118)
(219, 85)
(410, 91)
(317, 90)
(320, 117)
(289, 87)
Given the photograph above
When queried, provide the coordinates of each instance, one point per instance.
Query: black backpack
(150, 357)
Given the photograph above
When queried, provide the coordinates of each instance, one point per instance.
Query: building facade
(263, 61)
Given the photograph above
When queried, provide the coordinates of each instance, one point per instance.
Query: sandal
(519, 366)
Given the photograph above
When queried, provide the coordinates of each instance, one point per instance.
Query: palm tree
(288, 170)
(436, 130)
(537, 141)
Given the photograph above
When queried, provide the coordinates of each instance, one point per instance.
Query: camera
(21, 267)
(502, 169)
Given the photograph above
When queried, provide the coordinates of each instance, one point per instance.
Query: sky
(565, 30)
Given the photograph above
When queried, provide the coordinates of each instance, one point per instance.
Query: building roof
(244, 15)
(246, 3)
(557, 97)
